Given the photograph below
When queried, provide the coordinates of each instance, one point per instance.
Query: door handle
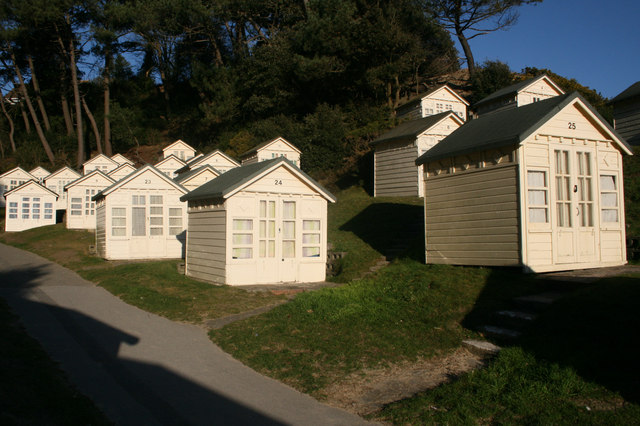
(575, 188)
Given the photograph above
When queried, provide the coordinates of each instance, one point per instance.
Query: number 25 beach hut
(539, 186)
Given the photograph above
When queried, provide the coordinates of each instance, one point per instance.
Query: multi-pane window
(242, 239)
(267, 231)
(48, 210)
(585, 195)
(13, 210)
(89, 206)
(155, 215)
(288, 229)
(138, 216)
(35, 208)
(175, 221)
(76, 206)
(609, 198)
(439, 108)
(538, 196)
(563, 188)
(118, 221)
(26, 207)
(310, 238)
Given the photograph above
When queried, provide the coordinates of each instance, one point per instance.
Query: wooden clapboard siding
(101, 230)
(627, 120)
(472, 218)
(395, 171)
(206, 245)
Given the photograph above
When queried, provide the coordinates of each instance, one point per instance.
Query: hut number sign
(572, 125)
(278, 182)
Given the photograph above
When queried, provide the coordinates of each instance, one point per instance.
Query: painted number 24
(278, 182)
(572, 125)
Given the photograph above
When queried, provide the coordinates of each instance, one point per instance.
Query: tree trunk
(471, 65)
(107, 104)
(11, 126)
(67, 114)
(78, 103)
(25, 117)
(32, 112)
(36, 89)
(94, 126)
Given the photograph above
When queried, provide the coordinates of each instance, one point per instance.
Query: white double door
(575, 204)
(277, 240)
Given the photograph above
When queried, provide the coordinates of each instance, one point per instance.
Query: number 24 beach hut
(264, 222)
(539, 186)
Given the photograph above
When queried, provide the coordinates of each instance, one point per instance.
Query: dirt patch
(368, 391)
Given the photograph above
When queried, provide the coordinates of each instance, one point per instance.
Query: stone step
(541, 300)
(481, 347)
(518, 315)
(500, 331)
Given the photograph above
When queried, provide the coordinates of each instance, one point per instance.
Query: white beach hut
(81, 209)
(216, 159)
(197, 177)
(56, 182)
(170, 165)
(12, 179)
(141, 217)
(260, 223)
(125, 169)
(438, 100)
(39, 173)
(29, 205)
(179, 149)
(395, 152)
(121, 159)
(99, 162)
(274, 148)
(539, 186)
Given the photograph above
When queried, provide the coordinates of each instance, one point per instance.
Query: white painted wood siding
(472, 218)
(206, 244)
(101, 230)
(396, 173)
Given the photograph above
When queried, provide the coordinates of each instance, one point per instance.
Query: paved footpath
(140, 368)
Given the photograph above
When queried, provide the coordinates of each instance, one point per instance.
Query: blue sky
(596, 42)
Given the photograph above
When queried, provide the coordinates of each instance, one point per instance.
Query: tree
(489, 78)
(468, 19)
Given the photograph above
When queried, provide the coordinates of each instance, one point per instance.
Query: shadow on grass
(129, 391)
(385, 226)
(593, 329)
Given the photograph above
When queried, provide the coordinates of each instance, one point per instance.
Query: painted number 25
(572, 125)
(278, 182)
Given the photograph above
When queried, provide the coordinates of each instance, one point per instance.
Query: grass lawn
(33, 391)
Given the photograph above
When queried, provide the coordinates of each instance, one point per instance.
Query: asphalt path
(139, 368)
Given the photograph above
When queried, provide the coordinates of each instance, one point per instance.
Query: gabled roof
(121, 167)
(177, 144)
(419, 99)
(166, 159)
(195, 172)
(519, 87)
(57, 172)
(229, 183)
(29, 183)
(147, 167)
(89, 175)
(15, 169)
(196, 161)
(264, 145)
(629, 92)
(39, 169)
(121, 159)
(412, 129)
(100, 157)
(510, 127)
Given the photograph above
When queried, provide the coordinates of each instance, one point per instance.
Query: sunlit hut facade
(538, 186)
(141, 217)
(29, 205)
(264, 222)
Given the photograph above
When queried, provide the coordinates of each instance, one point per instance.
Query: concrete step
(500, 331)
(538, 301)
(481, 347)
(517, 315)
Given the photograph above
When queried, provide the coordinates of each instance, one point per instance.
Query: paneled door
(277, 240)
(574, 210)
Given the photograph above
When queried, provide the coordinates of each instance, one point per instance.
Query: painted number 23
(278, 182)
(572, 125)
